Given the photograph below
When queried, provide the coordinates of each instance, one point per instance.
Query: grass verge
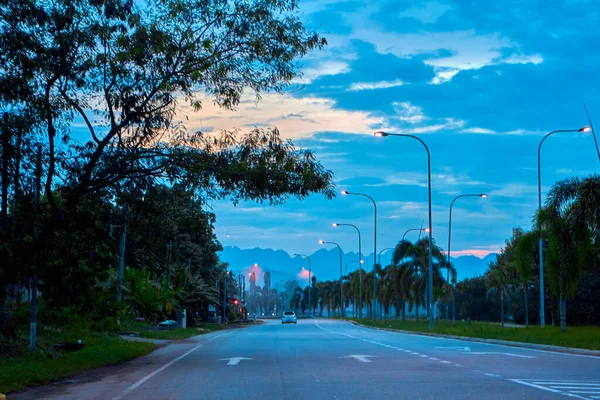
(175, 334)
(583, 337)
(38, 369)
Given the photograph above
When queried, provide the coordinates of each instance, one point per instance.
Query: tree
(130, 72)
(500, 278)
(525, 244)
(416, 257)
(571, 224)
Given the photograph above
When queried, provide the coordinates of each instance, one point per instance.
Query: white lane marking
(582, 388)
(234, 360)
(495, 352)
(454, 348)
(434, 359)
(360, 357)
(383, 345)
(578, 383)
(493, 375)
(167, 365)
(556, 353)
(534, 385)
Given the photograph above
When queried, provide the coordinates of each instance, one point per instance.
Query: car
(289, 317)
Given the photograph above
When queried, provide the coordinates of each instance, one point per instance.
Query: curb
(533, 346)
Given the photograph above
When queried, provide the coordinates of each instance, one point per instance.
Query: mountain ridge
(324, 263)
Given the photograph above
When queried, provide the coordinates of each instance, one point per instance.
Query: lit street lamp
(430, 278)
(541, 244)
(374, 250)
(341, 290)
(481, 195)
(360, 261)
(415, 229)
(309, 280)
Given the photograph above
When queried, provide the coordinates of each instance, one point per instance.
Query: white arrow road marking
(495, 352)
(234, 360)
(360, 357)
(455, 348)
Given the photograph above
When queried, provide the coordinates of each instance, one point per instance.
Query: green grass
(38, 369)
(175, 334)
(584, 337)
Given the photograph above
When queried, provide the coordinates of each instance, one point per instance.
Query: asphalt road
(326, 359)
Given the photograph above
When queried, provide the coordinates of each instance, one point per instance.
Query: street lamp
(309, 280)
(387, 248)
(348, 263)
(360, 261)
(415, 229)
(345, 192)
(541, 245)
(430, 278)
(341, 290)
(481, 195)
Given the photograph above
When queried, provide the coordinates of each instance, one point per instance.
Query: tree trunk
(502, 308)
(403, 310)
(526, 309)
(563, 313)
(563, 304)
(5, 158)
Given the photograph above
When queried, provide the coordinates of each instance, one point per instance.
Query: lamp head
(381, 134)
(335, 224)
(483, 196)
(584, 129)
(320, 241)
(344, 192)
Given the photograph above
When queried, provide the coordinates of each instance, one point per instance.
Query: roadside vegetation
(105, 192)
(583, 337)
(509, 291)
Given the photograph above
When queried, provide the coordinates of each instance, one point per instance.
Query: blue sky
(480, 81)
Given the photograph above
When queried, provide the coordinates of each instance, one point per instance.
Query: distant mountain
(324, 263)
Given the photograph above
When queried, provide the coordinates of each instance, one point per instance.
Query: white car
(289, 317)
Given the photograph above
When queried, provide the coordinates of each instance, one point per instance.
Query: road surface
(327, 359)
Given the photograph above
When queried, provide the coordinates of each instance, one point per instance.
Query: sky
(481, 82)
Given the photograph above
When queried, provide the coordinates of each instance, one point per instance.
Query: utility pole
(224, 317)
(169, 246)
(218, 296)
(121, 253)
(34, 295)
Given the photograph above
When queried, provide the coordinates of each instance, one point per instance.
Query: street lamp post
(430, 278)
(482, 195)
(360, 306)
(541, 244)
(415, 229)
(309, 279)
(341, 275)
(346, 267)
(374, 250)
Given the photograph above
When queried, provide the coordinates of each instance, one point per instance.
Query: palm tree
(570, 221)
(525, 245)
(499, 278)
(415, 257)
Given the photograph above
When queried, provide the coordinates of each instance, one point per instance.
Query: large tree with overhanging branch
(130, 73)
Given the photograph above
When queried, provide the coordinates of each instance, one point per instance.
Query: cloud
(476, 252)
(514, 190)
(375, 85)
(408, 112)
(295, 117)
(325, 68)
(427, 13)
